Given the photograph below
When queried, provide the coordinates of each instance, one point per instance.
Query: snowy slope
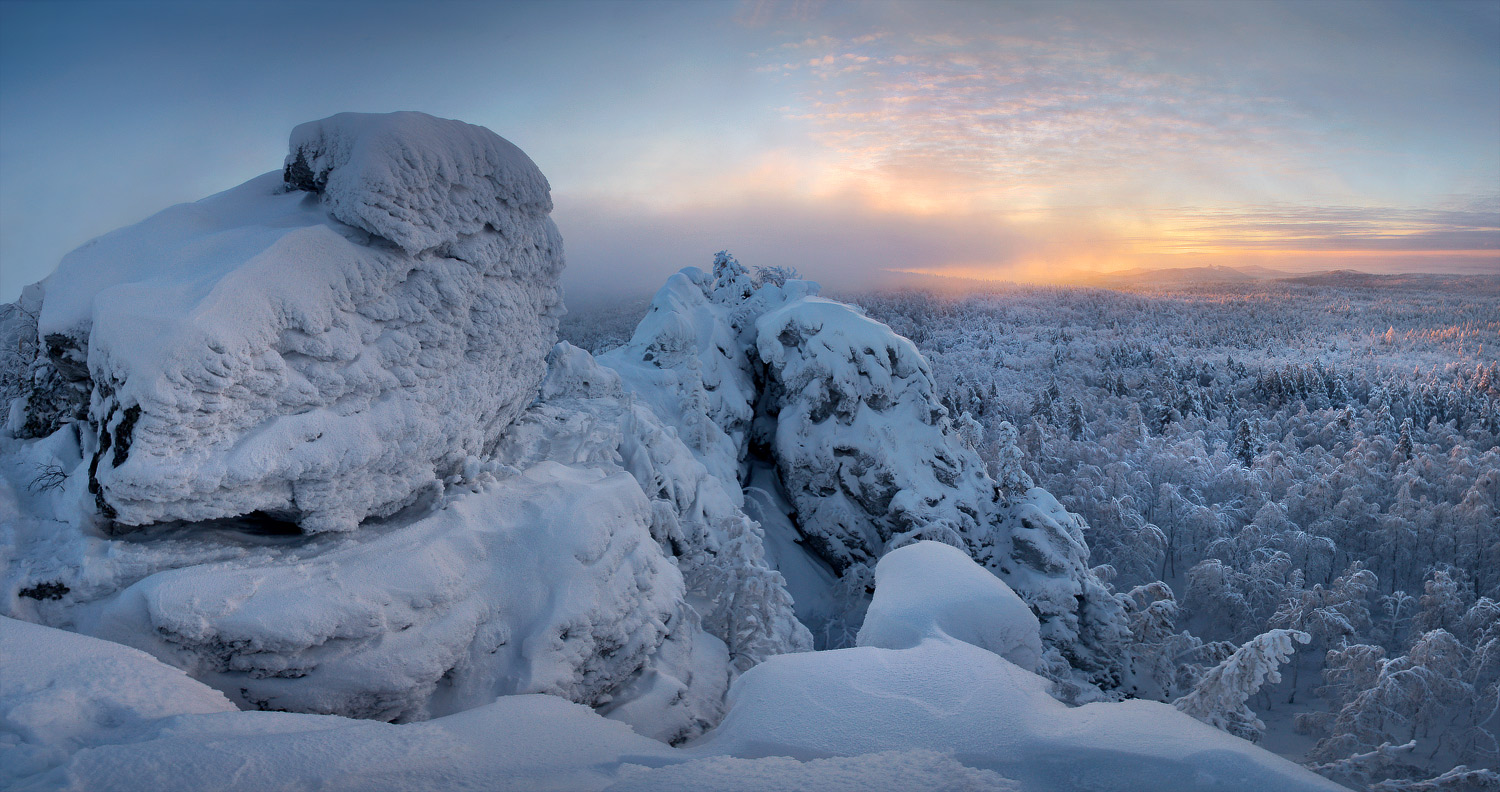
(942, 714)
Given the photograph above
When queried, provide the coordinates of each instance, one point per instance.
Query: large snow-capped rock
(574, 561)
(319, 344)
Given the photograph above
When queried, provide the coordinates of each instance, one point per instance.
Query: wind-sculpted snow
(932, 590)
(319, 358)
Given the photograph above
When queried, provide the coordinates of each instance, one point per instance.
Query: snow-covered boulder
(544, 581)
(61, 692)
(863, 449)
(322, 356)
(933, 590)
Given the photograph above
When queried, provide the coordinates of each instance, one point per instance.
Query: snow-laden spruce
(321, 344)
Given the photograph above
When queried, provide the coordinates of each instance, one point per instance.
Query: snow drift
(940, 714)
(932, 590)
(319, 357)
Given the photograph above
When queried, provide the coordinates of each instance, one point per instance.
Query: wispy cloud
(1020, 122)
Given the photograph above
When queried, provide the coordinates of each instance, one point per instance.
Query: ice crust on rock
(932, 590)
(319, 358)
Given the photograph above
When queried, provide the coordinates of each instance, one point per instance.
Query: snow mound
(61, 692)
(266, 350)
(931, 590)
(951, 696)
(423, 183)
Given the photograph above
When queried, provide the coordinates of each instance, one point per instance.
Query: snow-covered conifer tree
(1219, 697)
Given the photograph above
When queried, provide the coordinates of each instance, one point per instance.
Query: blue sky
(995, 140)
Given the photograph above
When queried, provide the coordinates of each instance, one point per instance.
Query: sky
(1000, 141)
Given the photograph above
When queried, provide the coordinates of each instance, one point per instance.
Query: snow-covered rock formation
(364, 334)
(942, 713)
(865, 454)
(586, 417)
(320, 345)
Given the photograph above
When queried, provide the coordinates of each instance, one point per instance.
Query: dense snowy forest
(1316, 458)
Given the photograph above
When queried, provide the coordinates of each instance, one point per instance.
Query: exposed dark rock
(50, 590)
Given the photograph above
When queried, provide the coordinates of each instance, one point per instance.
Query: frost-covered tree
(1076, 425)
(1244, 443)
(1010, 476)
(1219, 697)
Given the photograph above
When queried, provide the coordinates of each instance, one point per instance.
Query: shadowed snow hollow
(319, 344)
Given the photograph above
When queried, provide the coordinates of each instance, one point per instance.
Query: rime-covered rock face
(323, 356)
(869, 459)
(864, 450)
(586, 418)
